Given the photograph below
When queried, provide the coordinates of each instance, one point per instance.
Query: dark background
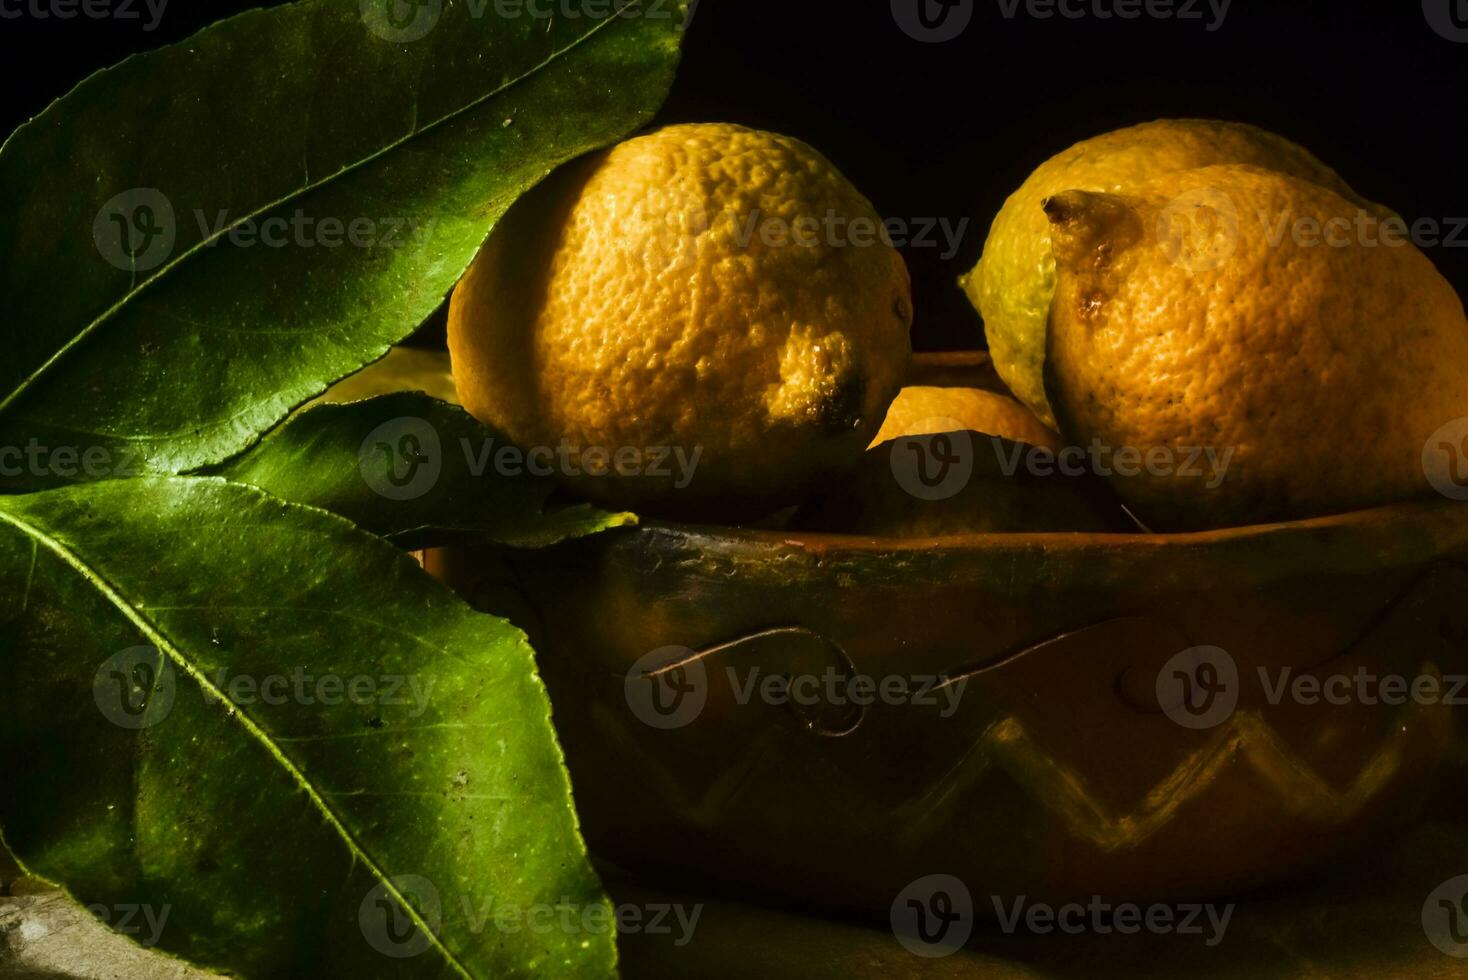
(947, 130)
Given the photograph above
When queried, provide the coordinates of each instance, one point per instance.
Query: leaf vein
(112, 311)
(153, 633)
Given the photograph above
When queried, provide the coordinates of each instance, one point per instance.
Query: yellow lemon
(401, 369)
(1014, 282)
(922, 410)
(962, 461)
(1239, 315)
(942, 484)
(705, 321)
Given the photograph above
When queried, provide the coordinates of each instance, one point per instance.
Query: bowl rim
(1393, 539)
(1413, 512)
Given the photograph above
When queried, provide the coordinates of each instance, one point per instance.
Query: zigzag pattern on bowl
(1061, 791)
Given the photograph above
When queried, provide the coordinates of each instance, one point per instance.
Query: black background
(947, 130)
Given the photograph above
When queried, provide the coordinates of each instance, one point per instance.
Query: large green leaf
(289, 124)
(419, 471)
(273, 733)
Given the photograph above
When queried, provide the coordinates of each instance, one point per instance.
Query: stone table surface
(1362, 919)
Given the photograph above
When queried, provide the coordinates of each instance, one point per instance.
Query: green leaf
(235, 166)
(266, 728)
(419, 471)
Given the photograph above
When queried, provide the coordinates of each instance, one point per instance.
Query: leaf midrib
(131, 295)
(155, 635)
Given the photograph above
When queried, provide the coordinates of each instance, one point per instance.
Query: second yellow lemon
(1264, 352)
(1014, 282)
